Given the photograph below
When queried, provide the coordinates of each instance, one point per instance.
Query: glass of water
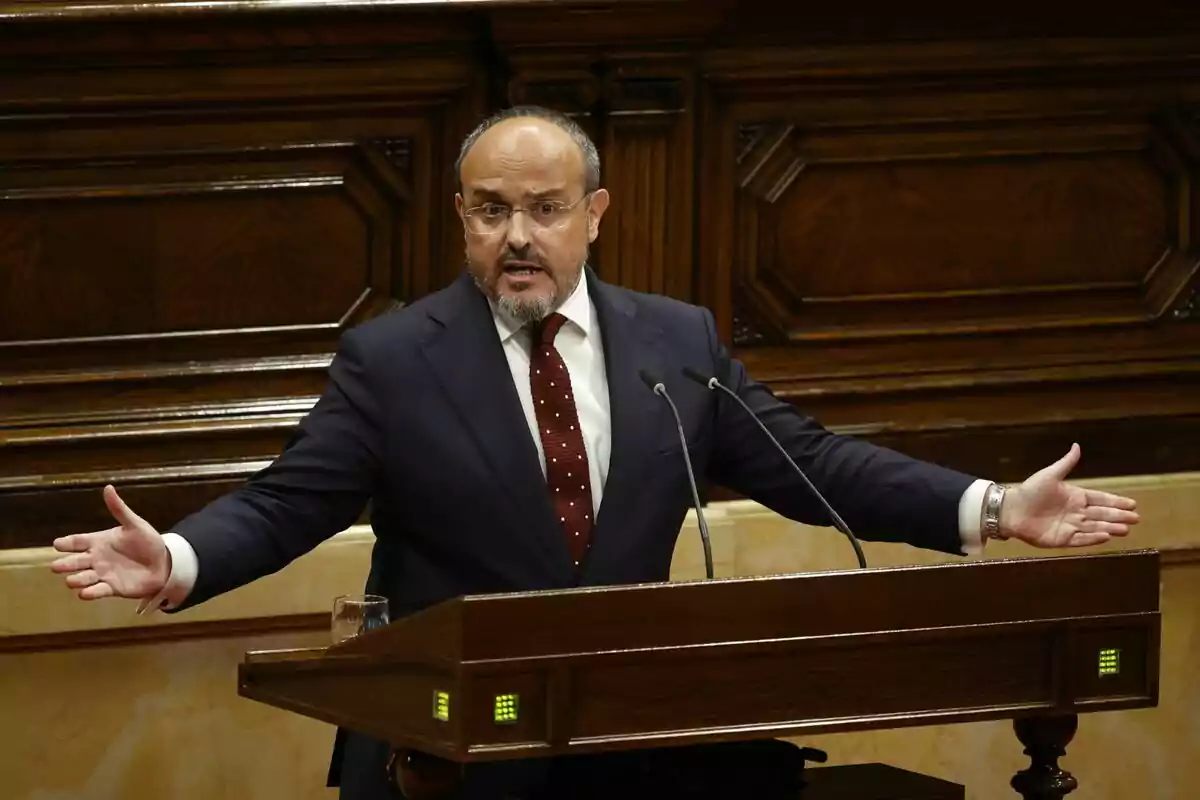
(357, 613)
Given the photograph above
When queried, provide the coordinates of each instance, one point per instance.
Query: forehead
(523, 156)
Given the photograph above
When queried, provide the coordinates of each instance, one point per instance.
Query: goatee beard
(527, 310)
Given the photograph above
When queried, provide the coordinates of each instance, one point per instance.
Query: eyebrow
(484, 194)
(491, 194)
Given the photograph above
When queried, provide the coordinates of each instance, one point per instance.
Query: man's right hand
(129, 560)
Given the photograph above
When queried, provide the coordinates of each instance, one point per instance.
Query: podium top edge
(1013, 562)
(1027, 591)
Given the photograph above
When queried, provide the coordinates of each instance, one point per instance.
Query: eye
(493, 210)
(546, 209)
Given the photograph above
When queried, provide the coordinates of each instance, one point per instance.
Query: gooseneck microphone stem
(838, 522)
(660, 389)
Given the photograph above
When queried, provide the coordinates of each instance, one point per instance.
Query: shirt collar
(577, 309)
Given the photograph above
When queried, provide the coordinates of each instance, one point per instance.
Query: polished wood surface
(969, 237)
(1045, 741)
(739, 659)
(1040, 642)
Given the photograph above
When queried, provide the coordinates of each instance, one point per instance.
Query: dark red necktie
(567, 475)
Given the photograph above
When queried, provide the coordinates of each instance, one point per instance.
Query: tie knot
(545, 332)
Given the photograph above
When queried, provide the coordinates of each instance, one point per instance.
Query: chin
(527, 306)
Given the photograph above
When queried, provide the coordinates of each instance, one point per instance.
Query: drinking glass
(357, 613)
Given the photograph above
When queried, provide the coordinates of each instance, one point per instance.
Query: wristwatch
(993, 498)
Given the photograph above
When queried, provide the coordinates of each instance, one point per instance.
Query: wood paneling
(973, 252)
(124, 637)
(973, 240)
(190, 214)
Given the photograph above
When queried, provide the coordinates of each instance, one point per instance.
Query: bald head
(542, 154)
(534, 120)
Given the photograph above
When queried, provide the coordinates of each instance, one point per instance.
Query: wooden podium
(537, 674)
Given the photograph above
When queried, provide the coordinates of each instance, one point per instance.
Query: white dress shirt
(579, 343)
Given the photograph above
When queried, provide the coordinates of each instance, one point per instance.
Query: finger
(72, 563)
(121, 512)
(1095, 498)
(1110, 514)
(81, 580)
(1107, 528)
(75, 543)
(96, 591)
(1062, 468)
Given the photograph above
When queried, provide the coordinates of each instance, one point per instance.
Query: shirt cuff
(970, 518)
(185, 566)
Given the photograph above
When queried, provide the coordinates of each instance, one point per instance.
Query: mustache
(511, 259)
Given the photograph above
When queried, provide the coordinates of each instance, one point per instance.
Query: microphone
(838, 522)
(655, 385)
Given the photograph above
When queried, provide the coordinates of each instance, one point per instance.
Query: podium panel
(535, 674)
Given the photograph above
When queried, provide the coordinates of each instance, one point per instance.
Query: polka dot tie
(567, 475)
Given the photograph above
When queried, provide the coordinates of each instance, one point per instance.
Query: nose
(518, 232)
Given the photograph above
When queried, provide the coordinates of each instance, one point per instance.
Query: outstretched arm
(317, 487)
(887, 496)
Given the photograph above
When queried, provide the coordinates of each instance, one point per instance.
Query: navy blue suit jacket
(421, 420)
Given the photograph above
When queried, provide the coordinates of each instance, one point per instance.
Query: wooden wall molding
(974, 242)
(157, 634)
(1180, 556)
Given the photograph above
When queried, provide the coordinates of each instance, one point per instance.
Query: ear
(458, 204)
(596, 208)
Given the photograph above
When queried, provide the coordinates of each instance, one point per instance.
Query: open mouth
(521, 268)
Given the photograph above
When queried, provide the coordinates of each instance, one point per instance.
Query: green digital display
(506, 709)
(441, 706)
(1110, 662)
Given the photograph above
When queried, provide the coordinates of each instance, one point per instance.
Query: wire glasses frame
(491, 218)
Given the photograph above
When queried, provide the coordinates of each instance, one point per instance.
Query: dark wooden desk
(516, 676)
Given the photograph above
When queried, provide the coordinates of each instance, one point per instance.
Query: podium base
(875, 782)
(417, 777)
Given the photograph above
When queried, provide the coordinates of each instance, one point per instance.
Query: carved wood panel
(971, 239)
(179, 254)
(923, 233)
(925, 254)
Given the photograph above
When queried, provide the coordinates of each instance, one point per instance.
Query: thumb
(121, 512)
(1060, 469)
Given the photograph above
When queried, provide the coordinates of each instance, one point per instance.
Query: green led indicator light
(505, 710)
(1110, 662)
(441, 706)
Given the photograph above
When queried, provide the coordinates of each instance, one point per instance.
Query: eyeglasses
(493, 217)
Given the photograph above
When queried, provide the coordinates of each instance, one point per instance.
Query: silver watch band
(992, 500)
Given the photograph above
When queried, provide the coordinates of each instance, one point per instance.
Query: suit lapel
(467, 358)
(631, 344)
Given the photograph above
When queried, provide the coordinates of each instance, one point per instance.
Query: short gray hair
(591, 156)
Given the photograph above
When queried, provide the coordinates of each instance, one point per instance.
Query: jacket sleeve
(882, 495)
(317, 487)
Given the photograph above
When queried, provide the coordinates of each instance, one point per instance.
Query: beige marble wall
(161, 718)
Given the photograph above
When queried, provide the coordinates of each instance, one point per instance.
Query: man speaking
(503, 435)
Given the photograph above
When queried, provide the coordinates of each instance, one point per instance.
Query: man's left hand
(1046, 511)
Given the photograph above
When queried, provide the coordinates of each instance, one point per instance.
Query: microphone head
(692, 374)
(651, 380)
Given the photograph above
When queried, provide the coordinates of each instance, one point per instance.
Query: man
(502, 434)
